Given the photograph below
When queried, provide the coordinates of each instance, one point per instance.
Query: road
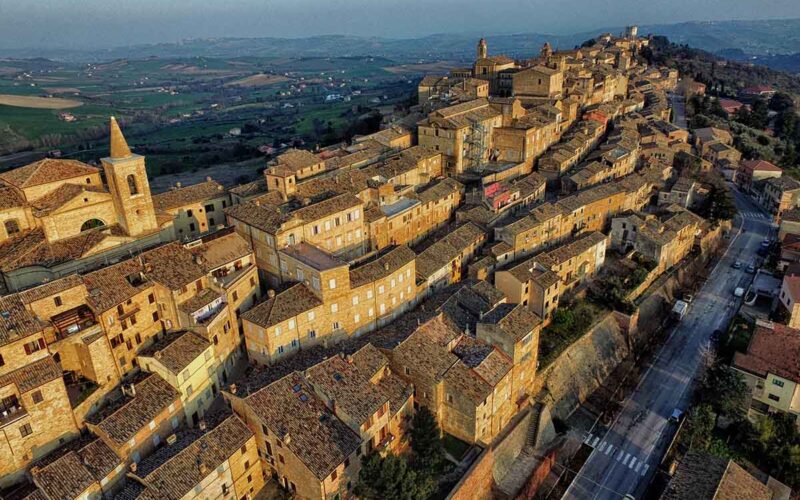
(678, 103)
(626, 454)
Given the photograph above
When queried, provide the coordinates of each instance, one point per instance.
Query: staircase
(522, 467)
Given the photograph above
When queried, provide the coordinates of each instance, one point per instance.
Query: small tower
(127, 182)
(631, 32)
(546, 53)
(483, 49)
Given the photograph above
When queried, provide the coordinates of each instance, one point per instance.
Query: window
(269, 448)
(280, 459)
(381, 289)
(335, 325)
(280, 349)
(774, 397)
(189, 213)
(332, 283)
(777, 382)
(371, 312)
(312, 334)
(209, 207)
(32, 347)
(133, 187)
(315, 282)
(278, 331)
(357, 318)
(235, 295)
(334, 307)
(37, 397)
(26, 430)
(311, 315)
(291, 324)
(355, 300)
(334, 475)
(57, 301)
(369, 294)
(294, 342)
(2, 361)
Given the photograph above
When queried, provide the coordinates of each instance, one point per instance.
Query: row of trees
(406, 477)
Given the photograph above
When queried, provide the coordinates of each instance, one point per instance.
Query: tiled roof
(32, 249)
(297, 159)
(10, 198)
(74, 468)
(173, 471)
(46, 171)
(221, 249)
(267, 218)
(774, 349)
(514, 319)
(702, 476)
(340, 381)
(444, 251)
(287, 304)
(369, 360)
(115, 284)
(327, 207)
(176, 350)
(125, 417)
(51, 288)
(565, 252)
(426, 348)
(290, 408)
(32, 375)
(180, 197)
(60, 196)
(16, 322)
(251, 188)
(381, 267)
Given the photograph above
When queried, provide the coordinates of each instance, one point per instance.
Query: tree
(724, 391)
(391, 477)
(426, 441)
(781, 101)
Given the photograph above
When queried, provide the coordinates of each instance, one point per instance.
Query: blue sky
(109, 23)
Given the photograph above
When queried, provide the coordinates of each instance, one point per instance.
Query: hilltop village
(207, 341)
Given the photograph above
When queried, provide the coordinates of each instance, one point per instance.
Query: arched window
(91, 224)
(132, 186)
(12, 226)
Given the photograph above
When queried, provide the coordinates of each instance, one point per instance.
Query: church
(59, 216)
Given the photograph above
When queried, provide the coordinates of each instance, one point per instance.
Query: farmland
(192, 114)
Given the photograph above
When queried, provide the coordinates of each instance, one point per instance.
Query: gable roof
(196, 193)
(287, 304)
(774, 348)
(46, 171)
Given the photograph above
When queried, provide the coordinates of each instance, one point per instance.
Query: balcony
(11, 411)
(73, 321)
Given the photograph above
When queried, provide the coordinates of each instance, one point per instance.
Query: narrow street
(627, 453)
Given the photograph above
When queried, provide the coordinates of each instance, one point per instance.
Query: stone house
(195, 209)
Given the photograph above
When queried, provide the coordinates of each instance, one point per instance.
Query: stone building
(196, 209)
(58, 215)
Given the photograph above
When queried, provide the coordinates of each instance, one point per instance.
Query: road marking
(621, 454)
(633, 461)
(639, 466)
(603, 446)
(610, 449)
(627, 457)
(644, 471)
(588, 437)
(596, 440)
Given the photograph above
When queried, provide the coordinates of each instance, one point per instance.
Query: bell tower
(127, 182)
(483, 49)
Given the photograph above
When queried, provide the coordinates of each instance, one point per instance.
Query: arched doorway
(91, 224)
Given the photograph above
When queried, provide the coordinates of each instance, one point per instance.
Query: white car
(676, 416)
(738, 292)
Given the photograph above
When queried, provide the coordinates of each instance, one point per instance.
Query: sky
(81, 24)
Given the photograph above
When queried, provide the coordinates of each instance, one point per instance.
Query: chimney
(306, 202)
(208, 178)
(271, 294)
(178, 185)
(233, 388)
(172, 439)
(386, 265)
(134, 466)
(202, 425)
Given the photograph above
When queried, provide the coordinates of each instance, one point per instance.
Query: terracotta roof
(51, 288)
(124, 418)
(172, 472)
(381, 267)
(60, 196)
(180, 197)
(172, 266)
(176, 350)
(369, 360)
(32, 375)
(32, 249)
(70, 473)
(297, 159)
(220, 249)
(252, 188)
(774, 348)
(267, 218)
(290, 408)
(10, 198)
(287, 304)
(514, 319)
(16, 322)
(327, 207)
(445, 250)
(46, 171)
(702, 476)
(340, 381)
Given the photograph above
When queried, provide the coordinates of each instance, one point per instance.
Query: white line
(621, 454)
(633, 462)
(610, 449)
(627, 457)
(644, 471)
(596, 440)
(639, 466)
(603, 445)
(588, 437)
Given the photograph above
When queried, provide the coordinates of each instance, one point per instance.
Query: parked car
(688, 298)
(738, 292)
(737, 265)
(751, 268)
(765, 243)
(676, 416)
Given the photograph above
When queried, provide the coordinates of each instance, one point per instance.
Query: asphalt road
(626, 454)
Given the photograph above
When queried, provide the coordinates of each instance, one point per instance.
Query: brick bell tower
(127, 182)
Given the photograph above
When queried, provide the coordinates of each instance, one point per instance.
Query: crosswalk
(627, 459)
(754, 215)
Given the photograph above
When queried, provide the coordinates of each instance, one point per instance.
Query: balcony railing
(12, 414)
